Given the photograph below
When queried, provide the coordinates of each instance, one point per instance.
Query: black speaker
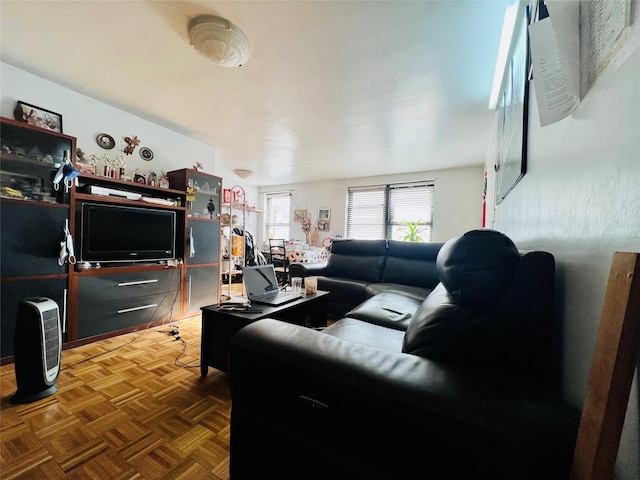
(38, 345)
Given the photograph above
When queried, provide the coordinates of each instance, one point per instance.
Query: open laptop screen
(260, 280)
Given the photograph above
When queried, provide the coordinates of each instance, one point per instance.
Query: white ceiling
(333, 89)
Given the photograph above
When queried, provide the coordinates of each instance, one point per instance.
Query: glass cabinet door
(203, 196)
(30, 158)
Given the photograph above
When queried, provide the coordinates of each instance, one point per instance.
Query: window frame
(270, 225)
(378, 204)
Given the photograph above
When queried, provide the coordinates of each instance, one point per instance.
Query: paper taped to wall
(555, 61)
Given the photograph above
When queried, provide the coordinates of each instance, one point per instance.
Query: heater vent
(51, 335)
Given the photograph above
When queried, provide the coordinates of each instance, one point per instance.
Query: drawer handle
(133, 309)
(139, 282)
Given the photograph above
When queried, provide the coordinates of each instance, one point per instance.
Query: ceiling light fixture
(243, 173)
(219, 40)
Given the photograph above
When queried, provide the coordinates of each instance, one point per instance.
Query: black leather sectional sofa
(461, 384)
(359, 269)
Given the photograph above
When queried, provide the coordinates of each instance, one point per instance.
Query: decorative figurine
(132, 143)
(164, 180)
(211, 207)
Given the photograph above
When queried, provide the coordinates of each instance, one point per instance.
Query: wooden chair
(278, 253)
(614, 362)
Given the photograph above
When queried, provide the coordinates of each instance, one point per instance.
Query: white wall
(457, 192)
(457, 200)
(580, 200)
(85, 118)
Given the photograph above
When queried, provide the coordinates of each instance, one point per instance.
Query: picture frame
(38, 117)
(299, 216)
(513, 113)
(324, 214)
(105, 141)
(146, 154)
(323, 225)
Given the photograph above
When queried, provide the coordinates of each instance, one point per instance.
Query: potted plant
(413, 232)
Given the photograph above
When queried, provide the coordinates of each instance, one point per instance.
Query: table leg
(204, 357)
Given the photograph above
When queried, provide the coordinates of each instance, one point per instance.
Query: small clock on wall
(146, 153)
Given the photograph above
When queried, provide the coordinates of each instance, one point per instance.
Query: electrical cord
(110, 350)
(177, 360)
(174, 331)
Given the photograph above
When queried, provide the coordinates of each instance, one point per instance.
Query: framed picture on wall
(38, 116)
(323, 225)
(513, 112)
(299, 215)
(324, 214)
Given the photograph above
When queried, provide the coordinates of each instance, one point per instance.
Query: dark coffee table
(218, 326)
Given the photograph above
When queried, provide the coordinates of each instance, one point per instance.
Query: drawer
(106, 317)
(106, 288)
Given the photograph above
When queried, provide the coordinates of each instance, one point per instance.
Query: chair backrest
(612, 368)
(278, 251)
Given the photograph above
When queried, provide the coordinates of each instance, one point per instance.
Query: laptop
(262, 286)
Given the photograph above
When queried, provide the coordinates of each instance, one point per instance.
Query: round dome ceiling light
(219, 40)
(243, 173)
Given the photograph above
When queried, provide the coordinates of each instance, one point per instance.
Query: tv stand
(119, 297)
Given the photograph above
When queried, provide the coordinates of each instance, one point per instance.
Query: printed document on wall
(604, 37)
(555, 57)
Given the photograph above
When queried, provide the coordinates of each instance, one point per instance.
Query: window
(380, 211)
(277, 215)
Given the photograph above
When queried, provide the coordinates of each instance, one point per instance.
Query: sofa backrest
(411, 263)
(494, 305)
(356, 259)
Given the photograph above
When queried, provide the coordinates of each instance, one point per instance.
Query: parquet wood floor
(126, 408)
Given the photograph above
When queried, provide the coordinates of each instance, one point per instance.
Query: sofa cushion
(444, 330)
(387, 309)
(476, 267)
(417, 293)
(411, 263)
(344, 294)
(364, 333)
(356, 259)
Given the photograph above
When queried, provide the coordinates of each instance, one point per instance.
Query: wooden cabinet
(201, 282)
(33, 215)
(96, 301)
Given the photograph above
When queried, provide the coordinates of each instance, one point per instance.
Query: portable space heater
(38, 344)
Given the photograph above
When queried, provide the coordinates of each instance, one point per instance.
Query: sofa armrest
(351, 401)
(307, 269)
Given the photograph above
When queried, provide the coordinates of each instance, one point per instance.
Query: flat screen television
(114, 233)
